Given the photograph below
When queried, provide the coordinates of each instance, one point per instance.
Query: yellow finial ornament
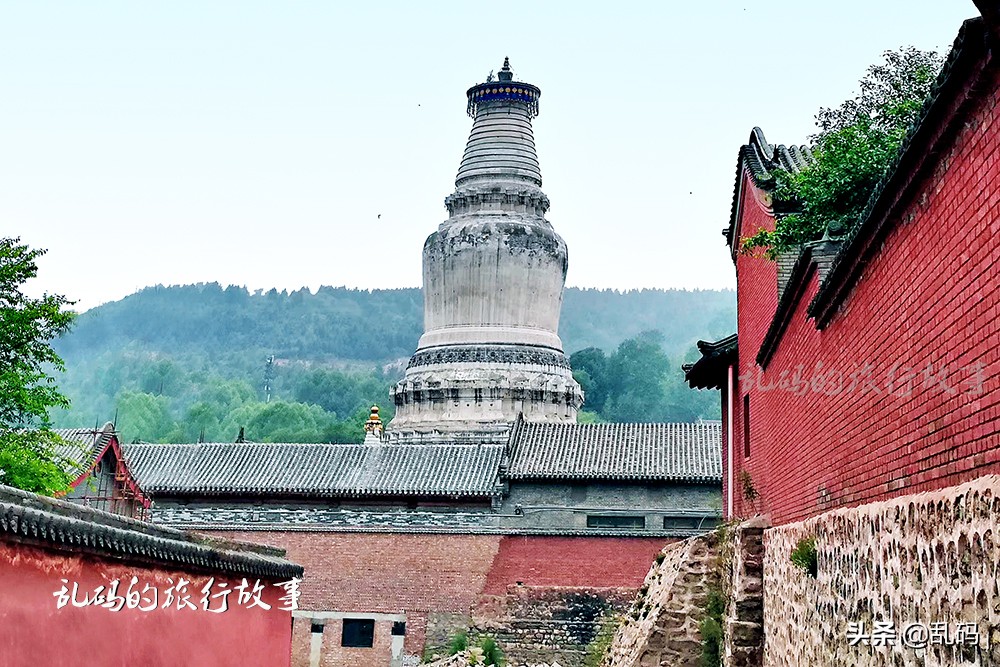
(374, 423)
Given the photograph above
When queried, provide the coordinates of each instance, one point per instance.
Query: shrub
(804, 556)
(749, 490)
(459, 642)
(491, 651)
(855, 145)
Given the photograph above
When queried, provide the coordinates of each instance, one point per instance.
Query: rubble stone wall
(743, 589)
(918, 559)
(541, 624)
(662, 628)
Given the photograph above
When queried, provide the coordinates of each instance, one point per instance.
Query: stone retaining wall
(917, 559)
(662, 627)
(743, 588)
(538, 624)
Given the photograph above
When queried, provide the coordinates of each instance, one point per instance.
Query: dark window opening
(398, 628)
(746, 426)
(611, 521)
(358, 633)
(317, 628)
(690, 522)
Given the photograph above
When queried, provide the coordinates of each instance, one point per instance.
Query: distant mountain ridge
(361, 325)
(182, 363)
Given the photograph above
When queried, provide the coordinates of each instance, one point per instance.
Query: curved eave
(175, 491)
(620, 477)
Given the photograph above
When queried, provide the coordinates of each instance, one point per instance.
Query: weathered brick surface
(419, 575)
(544, 624)
(606, 562)
(923, 321)
(923, 558)
(545, 598)
(437, 581)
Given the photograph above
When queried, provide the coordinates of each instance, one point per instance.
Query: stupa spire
(502, 143)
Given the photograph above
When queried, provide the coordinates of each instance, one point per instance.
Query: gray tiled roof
(682, 452)
(83, 446)
(65, 526)
(316, 469)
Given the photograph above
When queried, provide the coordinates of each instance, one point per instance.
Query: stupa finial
(505, 89)
(505, 73)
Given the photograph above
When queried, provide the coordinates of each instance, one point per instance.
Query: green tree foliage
(854, 147)
(639, 382)
(29, 457)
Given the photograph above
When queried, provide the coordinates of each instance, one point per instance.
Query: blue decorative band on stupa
(504, 88)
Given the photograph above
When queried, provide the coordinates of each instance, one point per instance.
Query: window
(358, 633)
(317, 628)
(398, 628)
(690, 522)
(616, 521)
(746, 426)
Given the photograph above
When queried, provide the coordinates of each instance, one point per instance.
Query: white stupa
(494, 274)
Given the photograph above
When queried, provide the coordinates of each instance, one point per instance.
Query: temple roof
(677, 452)
(65, 526)
(709, 372)
(83, 447)
(760, 160)
(319, 470)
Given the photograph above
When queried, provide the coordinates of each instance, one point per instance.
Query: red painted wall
(926, 302)
(34, 632)
(756, 301)
(585, 562)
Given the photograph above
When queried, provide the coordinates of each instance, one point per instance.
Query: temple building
(483, 506)
(101, 477)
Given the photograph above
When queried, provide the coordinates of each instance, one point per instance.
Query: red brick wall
(383, 572)
(927, 300)
(756, 301)
(33, 631)
(605, 562)
(438, 579)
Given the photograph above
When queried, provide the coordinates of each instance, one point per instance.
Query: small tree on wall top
(856, 143)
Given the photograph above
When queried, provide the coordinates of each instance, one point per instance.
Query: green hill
(181, 362)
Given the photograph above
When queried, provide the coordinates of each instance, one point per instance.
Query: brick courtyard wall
(445, 583)
(546, 598)
(431, 578)
(915, 343)
(608, 562)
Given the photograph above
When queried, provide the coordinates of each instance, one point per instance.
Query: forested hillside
(186, 362)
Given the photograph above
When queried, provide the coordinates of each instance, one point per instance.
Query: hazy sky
(257, 143)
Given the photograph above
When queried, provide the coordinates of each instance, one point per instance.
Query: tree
(29, 454)
(854, 147)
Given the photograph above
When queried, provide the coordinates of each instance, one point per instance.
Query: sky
(308, 143)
